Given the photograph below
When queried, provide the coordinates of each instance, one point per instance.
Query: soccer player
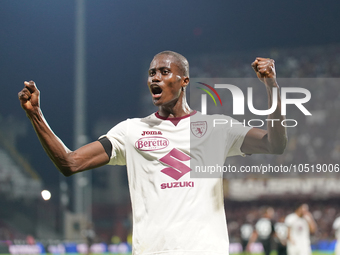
(246, 231)
(264, 230)
(281, 232)
(300, 225)
(172, 213)
(336, 227)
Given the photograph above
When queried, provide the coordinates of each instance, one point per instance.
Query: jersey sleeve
(117, 137)
(235, 136)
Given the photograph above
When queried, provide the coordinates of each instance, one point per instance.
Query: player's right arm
(68, 162)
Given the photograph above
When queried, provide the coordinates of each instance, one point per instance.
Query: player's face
(165, 80)
(304, 209)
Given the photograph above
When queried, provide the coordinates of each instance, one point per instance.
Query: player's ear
(185, 81)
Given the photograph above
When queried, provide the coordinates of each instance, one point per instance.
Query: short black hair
(182, 62)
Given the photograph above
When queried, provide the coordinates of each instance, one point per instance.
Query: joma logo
(151, 133)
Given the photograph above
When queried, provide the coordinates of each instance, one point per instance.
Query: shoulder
(264, 220)
(290, 219)
(336, 224)
(259, 220)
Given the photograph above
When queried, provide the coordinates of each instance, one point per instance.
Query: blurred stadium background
(220, 39)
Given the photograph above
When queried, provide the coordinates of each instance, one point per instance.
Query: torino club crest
(198, 128)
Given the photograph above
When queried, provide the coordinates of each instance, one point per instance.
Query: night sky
(37, 42)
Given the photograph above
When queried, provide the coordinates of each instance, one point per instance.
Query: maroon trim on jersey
(175, 120)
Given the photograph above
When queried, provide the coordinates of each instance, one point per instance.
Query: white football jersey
(336, 227)
(264, 228)
(299, 230)
(246, 231)
(174, 213)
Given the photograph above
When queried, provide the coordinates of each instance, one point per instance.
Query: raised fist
(265, 70)
(29, 97)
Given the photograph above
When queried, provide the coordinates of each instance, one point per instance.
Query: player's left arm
(274, 139)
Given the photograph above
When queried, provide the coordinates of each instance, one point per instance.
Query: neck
(178, 109)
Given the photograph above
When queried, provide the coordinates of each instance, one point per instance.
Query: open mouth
(156, 91)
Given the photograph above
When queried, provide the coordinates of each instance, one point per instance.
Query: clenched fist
(265, 70)
(29, 97)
